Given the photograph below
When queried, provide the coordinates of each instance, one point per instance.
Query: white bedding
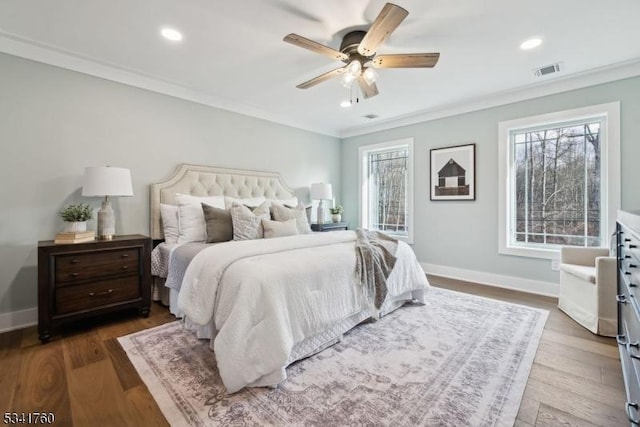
(270, 302)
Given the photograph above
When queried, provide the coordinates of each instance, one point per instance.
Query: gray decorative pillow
(299, 213)
(218, 224)
(279, 228)
(247, 223)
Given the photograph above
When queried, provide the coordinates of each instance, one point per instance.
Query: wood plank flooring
(84, 377)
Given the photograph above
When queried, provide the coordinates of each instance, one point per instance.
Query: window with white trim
(386, 190)
(559, 180)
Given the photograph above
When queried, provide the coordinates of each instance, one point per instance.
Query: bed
(265, 303)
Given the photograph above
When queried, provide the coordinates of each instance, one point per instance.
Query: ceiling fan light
(370, 75)
(348, 79)
(354, 68)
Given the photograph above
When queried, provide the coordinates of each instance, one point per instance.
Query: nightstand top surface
(116, 239)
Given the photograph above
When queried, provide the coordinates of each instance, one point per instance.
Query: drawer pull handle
(124, 267)
(125, 255)
(74, 274)
(633, 405)
(101, 294)
(74, 261)
(632, 246)
(622, 299)
(621, 339)
(633, 285)
(628, 273)
(627, 240)
(633, 266)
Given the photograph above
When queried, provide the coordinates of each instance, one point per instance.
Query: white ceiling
(233, 56)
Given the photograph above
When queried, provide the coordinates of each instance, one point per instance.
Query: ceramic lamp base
(106, 221)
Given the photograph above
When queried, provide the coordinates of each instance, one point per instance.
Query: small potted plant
(76, 217)
(336, 213)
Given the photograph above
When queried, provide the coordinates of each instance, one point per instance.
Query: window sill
(530, 252)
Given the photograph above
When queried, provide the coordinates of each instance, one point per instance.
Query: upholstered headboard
(211, 181)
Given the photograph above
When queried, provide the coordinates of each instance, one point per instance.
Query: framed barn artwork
(453, 173)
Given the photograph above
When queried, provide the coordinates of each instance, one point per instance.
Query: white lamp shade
(321, 191)
(107, 181)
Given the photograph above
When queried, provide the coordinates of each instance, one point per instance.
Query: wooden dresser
(628, 254)
(89, 279)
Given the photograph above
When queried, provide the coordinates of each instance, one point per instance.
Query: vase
(75, 226)
(336, 217)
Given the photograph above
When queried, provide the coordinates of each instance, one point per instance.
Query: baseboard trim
(18, 319)
(537, 287)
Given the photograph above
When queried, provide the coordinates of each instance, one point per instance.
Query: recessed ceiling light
(171, 34)
(345, 104)
(530, 44)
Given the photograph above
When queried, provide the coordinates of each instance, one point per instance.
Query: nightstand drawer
(70, 299)
(77, 267)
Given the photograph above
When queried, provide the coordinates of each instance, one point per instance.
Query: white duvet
(273, 301)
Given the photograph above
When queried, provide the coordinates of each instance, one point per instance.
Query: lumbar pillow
(169, 215)
(219, 226)
(191, 218)
(299, 213)
(247, 223)
(279, 228)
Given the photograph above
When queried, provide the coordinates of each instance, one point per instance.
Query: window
(559, 180)
(386, 190)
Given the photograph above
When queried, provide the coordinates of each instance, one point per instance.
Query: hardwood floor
(84, 377)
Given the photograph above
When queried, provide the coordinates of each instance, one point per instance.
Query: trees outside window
(386, 195)
(559, 180)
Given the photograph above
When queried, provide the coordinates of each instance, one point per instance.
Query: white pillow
(279, 228)
(247, 223)
(169, 215)
(191, 224)
(249, 201)
(299, 213)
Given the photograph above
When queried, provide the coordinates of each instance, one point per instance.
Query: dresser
(82, 280)
(628, 254)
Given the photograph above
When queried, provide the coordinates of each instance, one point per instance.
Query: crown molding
(618, 71)
(35, 51)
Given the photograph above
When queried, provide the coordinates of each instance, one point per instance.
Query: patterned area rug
(459, 360)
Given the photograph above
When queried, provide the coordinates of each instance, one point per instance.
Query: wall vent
(371, 116)
(547, 69)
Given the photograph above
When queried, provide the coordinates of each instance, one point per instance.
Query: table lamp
(321, 191)
(106, 181)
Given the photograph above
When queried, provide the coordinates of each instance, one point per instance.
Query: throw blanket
(375, 258)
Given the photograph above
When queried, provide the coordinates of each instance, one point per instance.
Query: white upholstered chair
(588, 288)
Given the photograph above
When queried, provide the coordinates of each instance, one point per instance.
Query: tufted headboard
(211, 181)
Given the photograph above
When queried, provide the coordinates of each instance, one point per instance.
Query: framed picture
(453, 173)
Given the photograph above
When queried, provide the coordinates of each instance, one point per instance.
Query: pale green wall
(54, 122)
(465, 234)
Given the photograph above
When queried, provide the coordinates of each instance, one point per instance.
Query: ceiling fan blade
(321, 78)
(303, 42)
(387, 21)
(408, 60)
(368, 90)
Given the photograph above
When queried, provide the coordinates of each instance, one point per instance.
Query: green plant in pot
(336, 213)
(76, 217)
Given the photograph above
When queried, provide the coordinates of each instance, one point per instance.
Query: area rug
(459, 360)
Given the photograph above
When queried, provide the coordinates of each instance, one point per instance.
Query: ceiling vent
(546, 70)
(371, 116)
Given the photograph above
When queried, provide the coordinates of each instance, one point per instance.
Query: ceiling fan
(358, 52)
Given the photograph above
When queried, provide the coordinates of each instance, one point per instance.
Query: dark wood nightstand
(89, 279)
(330, 226)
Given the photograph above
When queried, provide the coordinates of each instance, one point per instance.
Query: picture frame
(453, 172)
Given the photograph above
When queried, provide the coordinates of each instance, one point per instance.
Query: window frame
(609, 169)
(363, 159)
